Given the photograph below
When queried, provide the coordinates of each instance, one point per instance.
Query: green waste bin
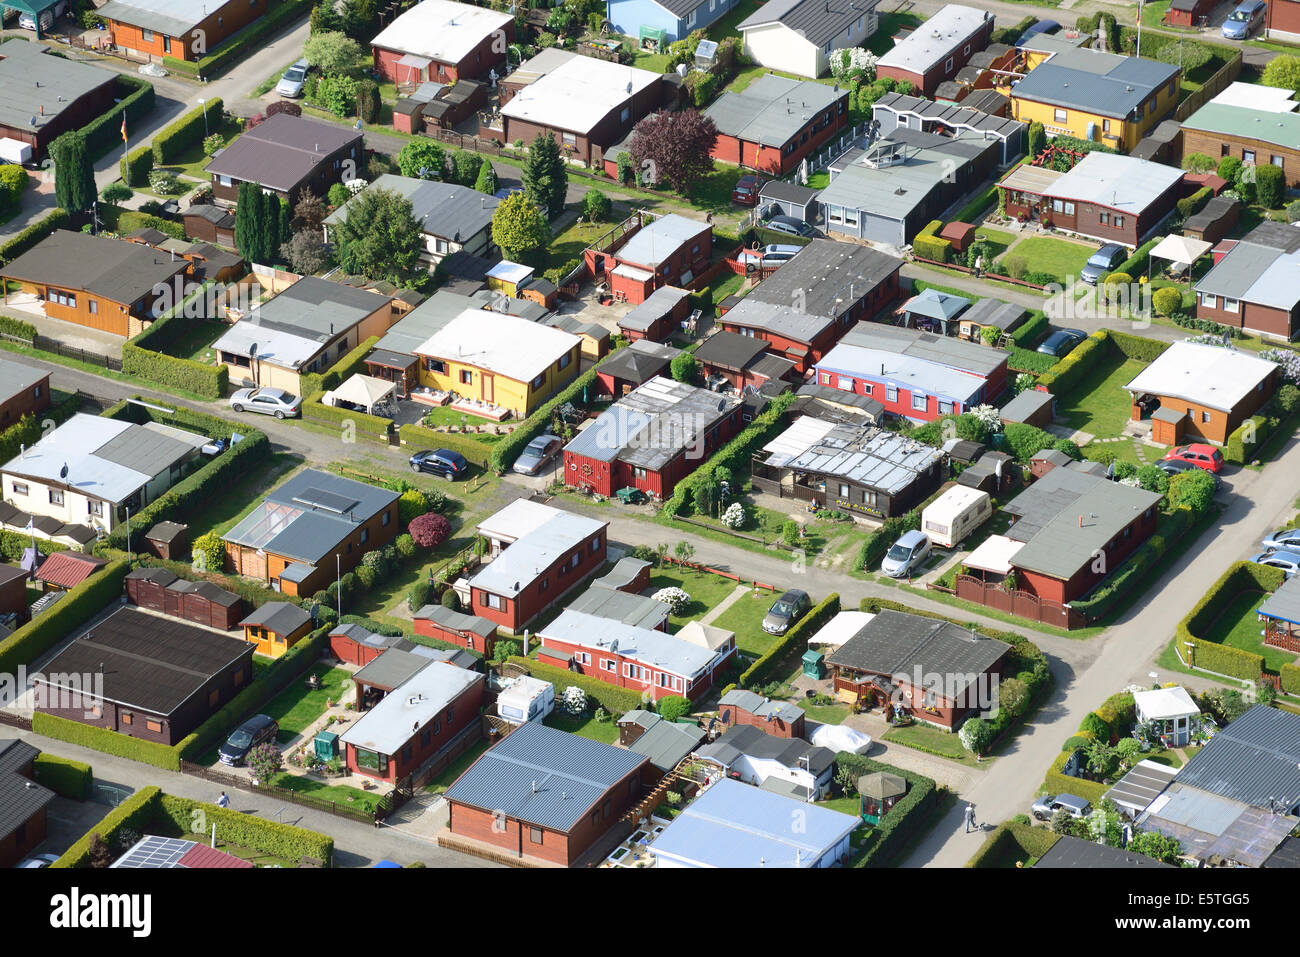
(327, 745)
(814, 664)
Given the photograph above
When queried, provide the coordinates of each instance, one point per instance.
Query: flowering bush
(988, 416)
(674, 598)
(1288, 360)
(1024, 381)
(574, 701)
(853, 60)
(734, 516)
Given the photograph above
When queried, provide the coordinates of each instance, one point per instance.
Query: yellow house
(500, 360)
(1092, 95)
(276, 627)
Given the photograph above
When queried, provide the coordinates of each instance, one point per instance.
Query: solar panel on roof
(326, 501)
(155, 851)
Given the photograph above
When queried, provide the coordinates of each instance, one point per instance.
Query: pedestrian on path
(970, 817)
(223, 801)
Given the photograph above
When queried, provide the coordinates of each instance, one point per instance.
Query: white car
(771, 253)
(290, 84)
(39, 860)
(276, 402)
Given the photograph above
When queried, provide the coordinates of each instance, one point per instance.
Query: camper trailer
(955, 514)
(527, 699)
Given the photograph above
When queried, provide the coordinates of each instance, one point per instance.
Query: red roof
(202, 856)
(1216, 183)
(68, 569)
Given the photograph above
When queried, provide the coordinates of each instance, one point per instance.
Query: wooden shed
(961, 235)
(147, 587)
(204, 604)
(169, 540)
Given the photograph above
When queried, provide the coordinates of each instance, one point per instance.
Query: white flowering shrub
(1024, 382)
(574, 701)
(674, 598)
(1288, 360)
(989, 416)
(847, 61)
(734, 516)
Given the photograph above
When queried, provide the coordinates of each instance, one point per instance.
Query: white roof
(506, 345)
(1118, 182)
(952, 503)
(1211, 376)
(1180, 249)
(706, 636)
(631, 272)
(841, 628)
(933, 40)
(441, 30)
(530, 555)
(507, 271)
(364, 390)
(578, 94)
(276, 346)
(994, 555)
(1255, 97)
(402, 712)
(645, 645)
(1164, 704)
(803, 434)
(517, 519)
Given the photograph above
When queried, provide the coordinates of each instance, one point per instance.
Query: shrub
(131, 220)
(368, 102)
(1230, 169)
(338, 194)
(911, 812)
(928, 245)
(1223, 659)
(145, 356)
(671, 707)
(71, 779)
(734, 517)
(405, 545)
(187, 131)
(1190, 205)
(614, 699)
(675, 598)
(451, 600)
(1167, 300)
(15, 246)
(208, 552)
(430, 530)
(269, 837)
(106, 741)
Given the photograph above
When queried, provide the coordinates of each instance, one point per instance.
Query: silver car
(906, 555)
(1288, 561)
(537, 453)
(276, 402)
(1287, 540)
(1045, 807)
(771, 253)
(290, 84)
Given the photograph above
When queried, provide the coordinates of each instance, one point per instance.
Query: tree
(333, 52)
(249, 232)
(422, 158)
(519, 227)
(1013, 695)
(1154, 844)
(268, 225)
(1102, 759)
(1270, 185)
(74, 174)
(451, 600)
(208, 553)
(264, 761)
(1037, 139)
(1187, 54)
(684, 551)
(505, 648)
(417, 596)
(430, 530)
(1283, 71)
(1230, 168)
(1193, 489)
(1199, 163)
(545, 175)
(381, 239)
(465, 167)
(684, 368)
(305, 252)
(671, 707)
(673, 148)
(325, 18)
(486, 181)
(595, 206)
(360, 19)
(112, 193)
(1129, 751)
(976, 735)
(309, 213)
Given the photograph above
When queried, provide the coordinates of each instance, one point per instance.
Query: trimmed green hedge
(612, 698)
(1238, 450)
(902, 820)
(1191, 205)
(135, 813)
(1224, 659)
(797, 636)
(269, 837)
(15, 246)
(982, 201)
(1136, 265)
(1026, 336)
(505, 452)
(145, 356)
(17, 327)
(368, 426)
(77, 607)
(132, 219)
(186, 131)
(1070, 370)
(29, 428)
(72, 779)
(928, 245)
(1058, 782)
(135, 167)
(477, 453)
(135, 96)
(1290, 678)
(13, 544)
(1025, 838)
(1136, 347)
(246, 41)
(106, 742)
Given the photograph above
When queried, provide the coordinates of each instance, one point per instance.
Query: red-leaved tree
(430, 529)
(673, 148)
(283, 106)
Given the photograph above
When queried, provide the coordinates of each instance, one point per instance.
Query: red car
(1199, 454)
(745, 192)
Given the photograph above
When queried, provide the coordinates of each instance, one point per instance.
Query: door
(488, 387)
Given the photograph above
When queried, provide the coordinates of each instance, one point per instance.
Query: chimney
(1081, 521)
(534, 787)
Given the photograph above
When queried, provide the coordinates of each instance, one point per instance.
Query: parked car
(291, 83)
(1245, 19)
(1287, 539)
(1200, 454)
(786, 610)
(537, 453)
(1045, 807)
(1172, 467)
(789, 225)
(1288, 561)
(1042, 26)
(905, 555)
(1104, 260)
(258, 729)
(276, 402)
(1061, 342)
(745, 192)
(27, 22)
(771, 253)
(442, 462)
(39, 860)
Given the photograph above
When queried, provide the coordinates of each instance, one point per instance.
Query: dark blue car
(443, 462)
(1042, 26)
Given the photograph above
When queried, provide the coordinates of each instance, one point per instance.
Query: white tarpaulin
(838, 738)
(363, 390)
(1180, 249)
(994, 555)
(841, 628)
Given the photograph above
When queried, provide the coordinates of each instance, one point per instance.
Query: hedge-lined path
(355, 844)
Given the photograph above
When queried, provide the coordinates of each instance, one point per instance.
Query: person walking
(970, 817)
(223, 801)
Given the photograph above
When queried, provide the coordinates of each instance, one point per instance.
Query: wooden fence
(1210, 88)
(1022, 604)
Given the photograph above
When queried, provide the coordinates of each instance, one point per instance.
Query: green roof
(1282, 129)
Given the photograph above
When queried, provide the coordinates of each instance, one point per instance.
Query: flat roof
(174, 18)
(773, 109)
(866, 455)
(505, 345)
(17, 377)
(401, 713)
(654, 307)
(629, 609)
(1115, 181)
(441, 30)
(37, 87)
(1212, 376)
(934, 40)
(577, 94)
(780, 319)
(652, 244)
(969, 357)
(1025, 405)
(534, 552)
(650, 647)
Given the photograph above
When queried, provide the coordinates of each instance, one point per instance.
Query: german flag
(124, 127)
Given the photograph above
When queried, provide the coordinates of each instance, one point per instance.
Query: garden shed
(203, 603)
(960, 235)
(169, 540)
(147, 587)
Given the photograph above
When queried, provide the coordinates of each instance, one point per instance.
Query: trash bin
(327, 745)
(814, 664)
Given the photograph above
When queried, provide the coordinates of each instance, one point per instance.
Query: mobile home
(955, 514)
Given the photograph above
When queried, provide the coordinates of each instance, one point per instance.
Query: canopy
(994, 555)
(881, 786)
(363, 390)
(843, 626)
(1180, 249)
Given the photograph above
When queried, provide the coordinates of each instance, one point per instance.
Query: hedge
(145, 356)
(17, 327)
(1066, 374)
(135, 167)
(14, 544)
(1029, 840)
(104, 133)
(248, 40)
(1026, 336)
(903, 819)
(612, 698)
(135, 813)
(1136, 265)
(186, 131)
(269, 837)
(477, 453)
(131, 220)
(982, 201)
(29, 429)
(1191, 205)
(875, 545)
(106, 742)
(1238, 450)
(15, 246)
(928, 245)
(1223, 659)
(505, 452)
(1136, 347)
(1058, 782)
(367, 426)
(797, 636)
(71, 779)
(1290, 679)
(77, 607)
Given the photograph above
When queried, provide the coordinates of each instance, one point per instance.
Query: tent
(1179, 250)
(361, 390)
(837, 738)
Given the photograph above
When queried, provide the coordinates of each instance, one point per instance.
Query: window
(1119, 222)
(564, 361)
(126, 717)
(1248, 156)
(891, 393)
(214, 697)
(546, 584)
(492, 601)
(570, 139)
(625, 115)
(595, 545)
(1104, 218)
(638, 472)
(1276, 160)
(365, 535)
(947, 65)
(690, 20)
(535, 835)
(1060, 116)
(20, 488)
(920, 402)
(223, 180)
(537, 383)
(425, 737)
(844, 490)
(435, 365)
(386, 519)
(56, 496)
(945, 408)
(466, 377)
(845, 383)
(1229, 305)
(582, 657)
(146, 34)
(154, 726)
(94, 303)
(1205, 417)
(608, 664)
(437, 725)
(167, 44)
(1209, 301)
(372, 760)
(94, 507)
(1105, 126)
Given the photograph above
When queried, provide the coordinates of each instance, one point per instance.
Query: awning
(631, 272)
(994, 555)
(413, 61)
(842, 627)
(1180, 249)
(363, 390)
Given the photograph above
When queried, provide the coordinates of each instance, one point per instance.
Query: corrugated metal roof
(1255, 758)
(1135, 791)
(667, 743)
(817, 21)
(866, 455)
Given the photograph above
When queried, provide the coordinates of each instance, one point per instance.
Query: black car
(1061, 342)
(258, 729)
(786, 610)
(1172, 467)
(442, 462)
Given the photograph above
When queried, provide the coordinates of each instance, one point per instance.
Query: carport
(33, 8)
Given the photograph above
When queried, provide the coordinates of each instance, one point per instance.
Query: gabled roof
(1095, 81)
(961, 117)
(452, 212)
(773, 109)
(113, 269)
(667, 743)
(577, 94)
(1259, 269)
(817, 21)
(68, 569)
(279, 617)
(282, 151)
(1076, 853)
(750, 741)
(441, 30)
(20, 797)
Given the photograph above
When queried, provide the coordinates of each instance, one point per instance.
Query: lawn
(224, 508)
(931, 740)
(845, 805)
(825, 713)
(1100, 405)
(458, 767)
(819, 180)
(1239, 627)
(196, 341)
(706, 591)
(713, 192)
(1154, 13)
(192, 160)
(1060, 257)
(587, 726)
(570, 244)
(644, 60)
(745, 618)
(296, 707)
(727, 284)
(999, 239)
(340, 794)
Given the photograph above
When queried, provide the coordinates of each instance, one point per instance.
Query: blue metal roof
(543, 776)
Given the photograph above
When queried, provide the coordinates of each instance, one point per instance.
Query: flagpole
(126, 153)
(1139, 29)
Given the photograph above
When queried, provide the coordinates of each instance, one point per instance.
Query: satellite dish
(63, 472)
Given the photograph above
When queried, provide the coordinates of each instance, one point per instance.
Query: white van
(527, 699)
(955, 514)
